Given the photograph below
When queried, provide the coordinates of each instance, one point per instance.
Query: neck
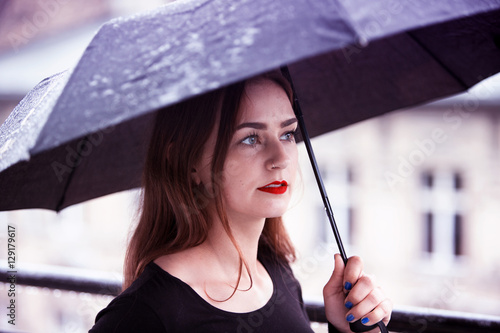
(246, 233)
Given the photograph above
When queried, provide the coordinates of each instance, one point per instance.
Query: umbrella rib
(439, 61)
(72, 173)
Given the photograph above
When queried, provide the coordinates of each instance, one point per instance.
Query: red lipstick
(277, 187)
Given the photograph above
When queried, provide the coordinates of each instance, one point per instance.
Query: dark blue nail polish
(350, 317)
(348, 286)
(364, 320)
(348, 305)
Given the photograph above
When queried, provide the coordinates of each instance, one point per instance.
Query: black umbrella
(81, 134)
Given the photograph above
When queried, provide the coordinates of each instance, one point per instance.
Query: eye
(250, 140)
(288, 136)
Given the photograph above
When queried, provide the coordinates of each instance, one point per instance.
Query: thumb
(335, 284)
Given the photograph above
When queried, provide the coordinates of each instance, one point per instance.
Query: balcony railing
(409, 319)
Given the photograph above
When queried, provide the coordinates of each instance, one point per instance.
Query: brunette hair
(173, 214)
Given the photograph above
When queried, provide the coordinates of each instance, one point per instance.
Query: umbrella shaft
(356, 326)
(319, 180)
(314, 164)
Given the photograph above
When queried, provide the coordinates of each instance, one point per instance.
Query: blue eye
(288, 136)
(250, 140)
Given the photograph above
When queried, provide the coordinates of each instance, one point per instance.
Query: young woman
(210, 252)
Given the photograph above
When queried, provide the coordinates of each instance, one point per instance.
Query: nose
(278, 156)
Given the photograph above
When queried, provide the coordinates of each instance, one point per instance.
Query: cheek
(232, 168)
(235, 193)
(235, 176)
(239, 163)
(293, 154)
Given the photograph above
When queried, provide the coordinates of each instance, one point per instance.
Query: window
(457, 181)
(429, 233)
(443, 222)
(427, 179)
(458, 236)
(338, 184)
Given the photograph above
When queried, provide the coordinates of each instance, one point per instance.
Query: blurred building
(415, 193)
(44, 37)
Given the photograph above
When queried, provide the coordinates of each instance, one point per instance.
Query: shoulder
(135, 309)
(127, 314)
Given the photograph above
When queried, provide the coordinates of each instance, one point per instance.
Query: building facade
(416, 194)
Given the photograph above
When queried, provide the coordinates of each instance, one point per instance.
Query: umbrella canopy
(82, 134)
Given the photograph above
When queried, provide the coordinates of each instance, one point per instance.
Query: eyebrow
(262, 126)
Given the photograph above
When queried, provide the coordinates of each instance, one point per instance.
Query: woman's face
(261, 163)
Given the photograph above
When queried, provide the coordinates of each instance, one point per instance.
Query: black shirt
(160, 302)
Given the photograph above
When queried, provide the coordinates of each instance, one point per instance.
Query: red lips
(277, 187)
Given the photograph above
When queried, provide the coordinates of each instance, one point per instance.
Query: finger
(386, 307)
(367, 305)
(363, 287)
(382, 312)
(352, 272)
(335, 283)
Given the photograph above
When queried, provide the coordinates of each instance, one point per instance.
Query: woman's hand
(350, 295)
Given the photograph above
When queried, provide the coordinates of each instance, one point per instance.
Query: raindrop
(362, 41)
(32, 290)
(108, 92)
(126, 85)
(27, 116)
(6, 145)
(84, 296)
(213, 85)
(248, 36)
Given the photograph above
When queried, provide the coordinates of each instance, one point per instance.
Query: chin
(277, 209)
(272, 217)
(275, 212)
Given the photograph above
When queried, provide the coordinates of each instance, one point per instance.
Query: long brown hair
(173, 209)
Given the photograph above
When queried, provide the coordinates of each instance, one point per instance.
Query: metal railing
(404, 319)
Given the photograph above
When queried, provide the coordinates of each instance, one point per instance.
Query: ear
(196, 176)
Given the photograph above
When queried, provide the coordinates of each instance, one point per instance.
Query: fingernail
(350, 317)
(348, 305)
(348, 286)
(364, 320)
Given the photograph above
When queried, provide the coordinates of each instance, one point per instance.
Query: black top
(160, 302)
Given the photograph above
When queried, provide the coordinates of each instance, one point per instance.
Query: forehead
(264, 99)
